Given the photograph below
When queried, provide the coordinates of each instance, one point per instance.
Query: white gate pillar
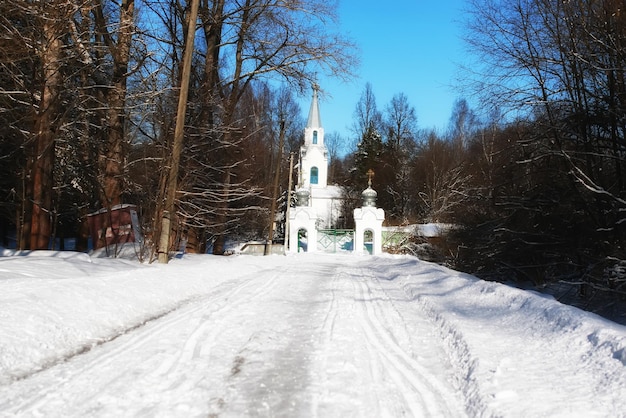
(304, 217)
(369, 218)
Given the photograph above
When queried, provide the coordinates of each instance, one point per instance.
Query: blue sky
(409, 46)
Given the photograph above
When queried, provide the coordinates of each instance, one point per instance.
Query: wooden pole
(287, 226)
(281, 141)
(177, 147)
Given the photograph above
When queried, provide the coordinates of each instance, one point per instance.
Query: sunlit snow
(293, 336)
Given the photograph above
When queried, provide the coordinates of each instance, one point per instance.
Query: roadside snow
(303, 335)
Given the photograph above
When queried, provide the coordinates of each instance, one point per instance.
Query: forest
(188, 109)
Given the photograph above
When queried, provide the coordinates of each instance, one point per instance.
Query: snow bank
(56, 304)
(508, 342)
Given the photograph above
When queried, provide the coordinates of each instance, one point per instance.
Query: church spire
(314, 113)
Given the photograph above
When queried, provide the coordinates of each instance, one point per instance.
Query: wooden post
(287, 214)
(281, 141)
(177, 147)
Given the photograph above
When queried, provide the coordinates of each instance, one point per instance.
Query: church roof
(314, 113)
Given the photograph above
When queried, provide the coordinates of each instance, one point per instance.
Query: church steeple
(313, 154)
(314, 120)
(314, 132)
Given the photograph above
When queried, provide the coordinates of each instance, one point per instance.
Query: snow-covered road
(299, 336)
(281, 341)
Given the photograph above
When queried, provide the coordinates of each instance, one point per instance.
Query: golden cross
(370, 174)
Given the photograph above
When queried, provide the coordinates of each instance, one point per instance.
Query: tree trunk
(45, 133)
(114, 155)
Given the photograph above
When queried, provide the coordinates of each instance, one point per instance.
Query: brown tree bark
(112, 161)
(45, 133)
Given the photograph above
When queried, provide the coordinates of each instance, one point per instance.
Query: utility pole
(281, 141)
(287, 226)
(177, 146)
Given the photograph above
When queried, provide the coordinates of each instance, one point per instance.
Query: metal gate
(335, 240)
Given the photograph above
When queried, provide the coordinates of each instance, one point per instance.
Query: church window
(314, 175)
(314, 137)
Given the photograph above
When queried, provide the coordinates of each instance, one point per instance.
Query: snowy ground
(297, 336)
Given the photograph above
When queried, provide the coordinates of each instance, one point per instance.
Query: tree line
(531, 174)
(550, 205)
(88, 94)
(418, 173)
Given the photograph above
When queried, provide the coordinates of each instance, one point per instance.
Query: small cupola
(369, 195)
(302, 197)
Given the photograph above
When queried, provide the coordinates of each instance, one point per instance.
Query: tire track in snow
(348, 330)
(424, 395)
(326, 333)
(207, 331)
(204, 339)
(56, 382)
(460, 356)
(365, 340)
(463, 361)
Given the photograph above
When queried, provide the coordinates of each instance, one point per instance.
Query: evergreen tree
(368, 156)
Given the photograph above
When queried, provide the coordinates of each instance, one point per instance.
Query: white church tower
(319, 204)
(314, 154)
(324, 198)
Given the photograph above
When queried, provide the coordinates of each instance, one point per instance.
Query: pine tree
(368, 156)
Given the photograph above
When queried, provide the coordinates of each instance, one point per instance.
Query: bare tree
(82, 58)
(400, 122)
(463, 123)
(243, 42)
(38, 32)
(17, 64)
(336, 147)
(115, 37)
(442, 181)
(366, 114)
(558, 68)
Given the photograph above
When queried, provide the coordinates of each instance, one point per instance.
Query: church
(313, 223)
(313, 171)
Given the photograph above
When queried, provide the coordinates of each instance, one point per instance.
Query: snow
(306, 335)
